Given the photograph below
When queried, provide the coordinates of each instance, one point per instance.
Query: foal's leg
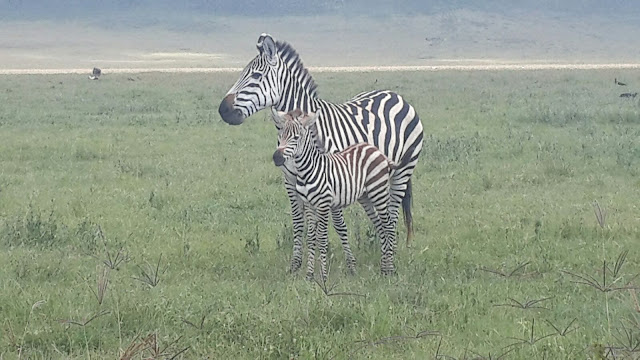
(297, 215)
(312, 237)
(341, 228)
(372, 215)
(381, 223)
(388, 227)
(322, 238)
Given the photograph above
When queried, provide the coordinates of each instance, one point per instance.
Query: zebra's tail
(406, 211)
(408, 195)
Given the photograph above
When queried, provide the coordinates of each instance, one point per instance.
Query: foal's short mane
(297, 115)
(316, 139)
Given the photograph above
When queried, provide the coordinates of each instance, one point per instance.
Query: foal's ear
(267, 46)
(310, 119)
(278, 117)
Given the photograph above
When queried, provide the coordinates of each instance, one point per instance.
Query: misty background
(203, 33)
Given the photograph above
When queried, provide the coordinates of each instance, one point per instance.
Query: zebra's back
(381, 118)
(355, 172)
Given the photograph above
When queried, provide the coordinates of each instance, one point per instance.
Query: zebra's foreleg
(297, 215)
(312, 243)
(322, 239)
(310, 218)
(341, 228)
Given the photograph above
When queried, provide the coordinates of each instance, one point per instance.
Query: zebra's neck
(297, 84)
(309, 158)
(297, 98)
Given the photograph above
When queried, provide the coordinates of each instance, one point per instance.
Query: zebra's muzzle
(229, 114)
(278, 158)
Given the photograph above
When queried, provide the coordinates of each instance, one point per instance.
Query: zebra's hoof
(294, 267)
(388, 272)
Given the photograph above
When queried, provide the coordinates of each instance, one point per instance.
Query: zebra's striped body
(290, 175)
(277, 78)
(326, 182)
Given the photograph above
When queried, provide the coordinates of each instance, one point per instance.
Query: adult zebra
(276, 77)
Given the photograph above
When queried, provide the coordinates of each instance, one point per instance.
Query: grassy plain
(144, 171)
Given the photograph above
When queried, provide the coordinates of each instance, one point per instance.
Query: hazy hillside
(202, 33)
(149, 11)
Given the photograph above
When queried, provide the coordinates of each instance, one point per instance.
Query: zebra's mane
(290, 56)
(316, 139)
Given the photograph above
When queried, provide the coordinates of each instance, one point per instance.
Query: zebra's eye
(256, 75)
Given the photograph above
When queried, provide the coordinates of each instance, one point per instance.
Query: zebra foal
(330, 181)
(339, 224)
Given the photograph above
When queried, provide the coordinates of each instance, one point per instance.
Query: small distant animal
(628, 95)
(95, 74)
(434, 40)
(618, 82)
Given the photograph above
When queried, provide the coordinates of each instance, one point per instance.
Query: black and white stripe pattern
(325, 182)
(277, 78)
(298, 209)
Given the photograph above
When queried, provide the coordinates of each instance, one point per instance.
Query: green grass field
(143, 177)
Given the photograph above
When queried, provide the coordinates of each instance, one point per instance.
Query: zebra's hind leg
(381, 203)
(341, 228)
(389, 218)
(371, 213)
(387, 266)
(387, 244)
(381, 225)
(396, 200)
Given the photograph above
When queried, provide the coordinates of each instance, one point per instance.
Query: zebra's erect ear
(267, 46)
(310, 119)
(278, 117)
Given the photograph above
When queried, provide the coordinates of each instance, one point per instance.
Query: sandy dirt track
(477, 67)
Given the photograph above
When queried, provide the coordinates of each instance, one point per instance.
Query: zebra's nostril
(228, 113)
(278, 158)
(226, 104)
